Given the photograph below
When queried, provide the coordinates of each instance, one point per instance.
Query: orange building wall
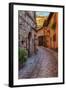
(57, 30)
(48, 32)
(54, 44)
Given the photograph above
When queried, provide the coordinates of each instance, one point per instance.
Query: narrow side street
(42, 65)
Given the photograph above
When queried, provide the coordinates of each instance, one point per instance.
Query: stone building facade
(43, 37)
(26, 30)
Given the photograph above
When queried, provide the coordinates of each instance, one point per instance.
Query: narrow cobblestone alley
(42, 65)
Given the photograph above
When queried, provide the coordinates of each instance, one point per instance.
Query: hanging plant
(53, 26)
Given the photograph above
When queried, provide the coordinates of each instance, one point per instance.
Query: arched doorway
(29, 39)
(40, 40)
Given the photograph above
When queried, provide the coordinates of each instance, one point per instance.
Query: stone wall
(26, 25)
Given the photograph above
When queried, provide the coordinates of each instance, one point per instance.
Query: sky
(42, 13)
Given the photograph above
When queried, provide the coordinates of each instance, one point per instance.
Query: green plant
(23, 54)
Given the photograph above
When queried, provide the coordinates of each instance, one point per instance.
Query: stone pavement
(42, 65)
(30, 65)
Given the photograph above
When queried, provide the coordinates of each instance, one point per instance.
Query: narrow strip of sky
(42, 13)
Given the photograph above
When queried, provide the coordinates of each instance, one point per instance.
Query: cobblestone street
(42, 65)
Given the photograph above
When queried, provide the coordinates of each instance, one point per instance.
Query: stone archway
(40, 40)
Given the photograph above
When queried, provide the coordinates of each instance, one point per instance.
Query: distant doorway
(40, 40)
